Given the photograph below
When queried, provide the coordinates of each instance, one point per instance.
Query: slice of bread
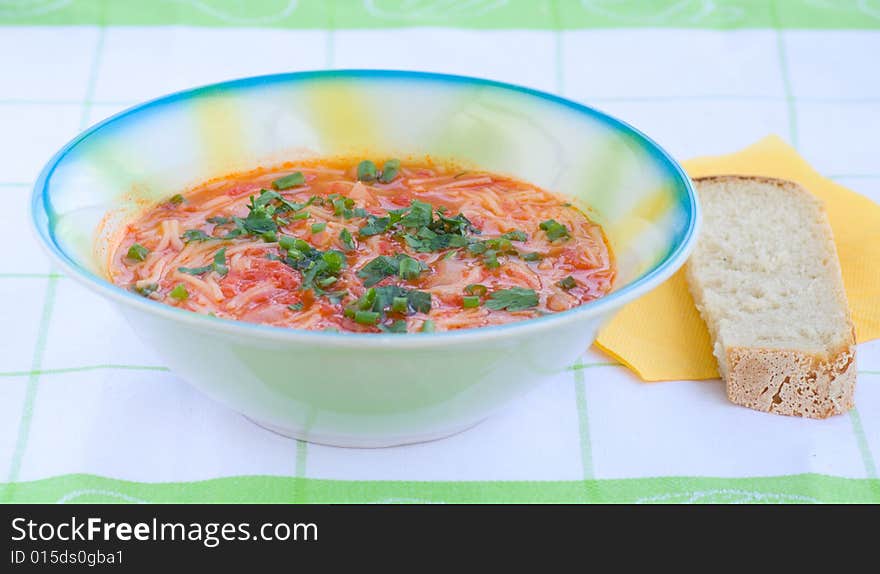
(766, 279)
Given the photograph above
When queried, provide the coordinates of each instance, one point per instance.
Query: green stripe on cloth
(300, 482)
(591, 487)
(31, 276)
(476, 14)
(558, 52)
(786, 75)
(801, 488)
(330, 42)
(580, 393)
(7, 493)
(85, 368)
(864, 447)
(579, 366)
(120, 367)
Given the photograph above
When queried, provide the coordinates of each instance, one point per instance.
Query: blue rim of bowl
(673, 260)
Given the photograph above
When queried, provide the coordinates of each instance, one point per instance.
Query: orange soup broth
(261, 288)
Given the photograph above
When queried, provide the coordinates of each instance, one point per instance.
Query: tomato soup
(366, 246)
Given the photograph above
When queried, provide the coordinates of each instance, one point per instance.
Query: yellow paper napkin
(661, 335)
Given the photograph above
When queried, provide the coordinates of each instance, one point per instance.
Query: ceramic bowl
(365, 389)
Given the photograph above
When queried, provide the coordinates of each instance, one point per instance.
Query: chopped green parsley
(218, 265)
(513, 299)
(346, 239)
(195, 235)
(137, 252)
(567, 283)
(384, 266)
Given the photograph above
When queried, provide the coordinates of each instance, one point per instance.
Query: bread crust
(790, 382)
(785, 184)
(783, 381)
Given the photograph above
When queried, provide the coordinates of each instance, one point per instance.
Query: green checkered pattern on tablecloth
(88, 414)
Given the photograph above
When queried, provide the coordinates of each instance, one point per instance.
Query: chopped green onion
(179, 292)
(295, 254)
(295, 307)
(477, 248)
(346, 239)
(470, 301)
(342, 206)
(334, 260)
(501, 245)
(531, 256)
(428, 326)
(476, 289)
(366, 171)
(390, 170)
(319, 227)
(270, 237)
(176, 199)
(367, 299)
(327, 281)
(366, 317)
(490, 259)
(554, 229)
(300, 216)
(399, 304)
(567, 283)
(409, 268)
(384, 266)
(293, 180)
(287, 242)
(137, 252)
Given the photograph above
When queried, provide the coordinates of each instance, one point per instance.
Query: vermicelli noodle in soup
(358, 246)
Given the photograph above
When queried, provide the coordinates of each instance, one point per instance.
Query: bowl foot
(351, 441)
